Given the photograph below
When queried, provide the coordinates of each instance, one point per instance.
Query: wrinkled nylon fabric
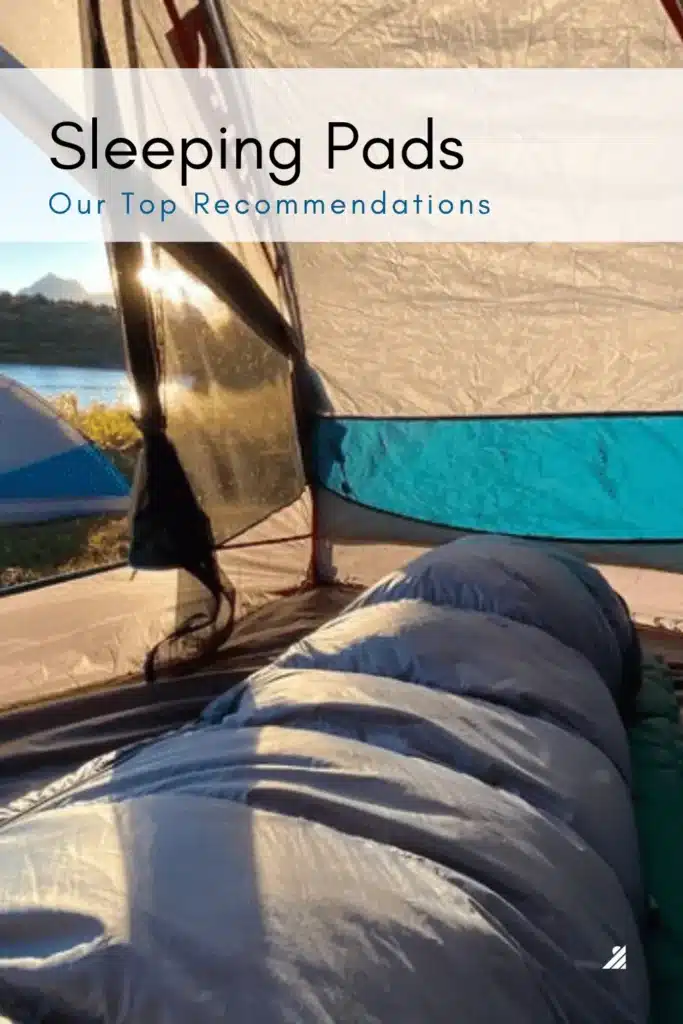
(446, 329)
(419, 813)
(473, 329)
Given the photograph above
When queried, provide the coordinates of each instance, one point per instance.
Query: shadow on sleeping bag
(418, 815)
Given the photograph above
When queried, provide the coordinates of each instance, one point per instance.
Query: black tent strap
(142, 356)
(169, 529)
(265, 542)
(127, 260)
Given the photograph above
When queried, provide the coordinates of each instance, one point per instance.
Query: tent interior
(530, 391)
(473, 412)
(316, 479)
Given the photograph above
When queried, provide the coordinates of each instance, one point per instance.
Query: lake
(109, 386)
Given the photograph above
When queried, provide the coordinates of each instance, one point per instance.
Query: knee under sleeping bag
(420, 814)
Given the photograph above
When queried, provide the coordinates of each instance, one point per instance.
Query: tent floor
(43, 742)
(46, 741)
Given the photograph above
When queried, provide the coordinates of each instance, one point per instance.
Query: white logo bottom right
(617, 962)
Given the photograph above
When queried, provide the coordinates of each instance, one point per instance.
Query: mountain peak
(60, 289)
(55, 288)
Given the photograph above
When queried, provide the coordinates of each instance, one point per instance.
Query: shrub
(107, 426)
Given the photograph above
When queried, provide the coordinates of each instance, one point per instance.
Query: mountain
(59, 289)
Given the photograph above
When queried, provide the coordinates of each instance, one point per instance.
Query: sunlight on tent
(173, 390)
(173, 285)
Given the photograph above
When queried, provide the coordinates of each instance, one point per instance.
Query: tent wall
(493, 33)
(509, 330)
(214, 333)
(44, 34)
(486, 367)
(648, 576)
(219, 322)
(228, 401)
(582, 478)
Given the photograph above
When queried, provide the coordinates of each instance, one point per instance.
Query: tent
(47, 469)
(251, 530)
(559, 412)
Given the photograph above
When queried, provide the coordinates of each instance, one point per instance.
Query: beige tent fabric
(448, 329)
(468, 329)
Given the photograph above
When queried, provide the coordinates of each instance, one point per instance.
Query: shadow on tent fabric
(333, 455)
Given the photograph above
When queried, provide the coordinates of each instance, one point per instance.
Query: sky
(22, 263)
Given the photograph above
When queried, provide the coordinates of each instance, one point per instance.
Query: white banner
(342, 155)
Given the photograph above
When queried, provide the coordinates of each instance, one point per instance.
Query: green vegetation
(207, 343)
(108, 426)
(33, 552)
(233, 426)
(43, 333)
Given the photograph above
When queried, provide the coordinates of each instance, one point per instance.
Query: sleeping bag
(420, 814)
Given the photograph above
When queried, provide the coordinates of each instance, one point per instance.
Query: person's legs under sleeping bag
(418, 815)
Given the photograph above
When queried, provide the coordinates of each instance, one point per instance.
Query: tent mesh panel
(228, 399)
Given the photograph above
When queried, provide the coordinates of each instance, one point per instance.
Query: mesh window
(228, 399)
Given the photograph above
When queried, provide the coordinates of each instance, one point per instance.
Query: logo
(617, 962)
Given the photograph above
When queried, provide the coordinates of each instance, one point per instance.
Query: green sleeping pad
(657, 754)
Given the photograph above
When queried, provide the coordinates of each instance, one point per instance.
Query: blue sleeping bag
(420, 814)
